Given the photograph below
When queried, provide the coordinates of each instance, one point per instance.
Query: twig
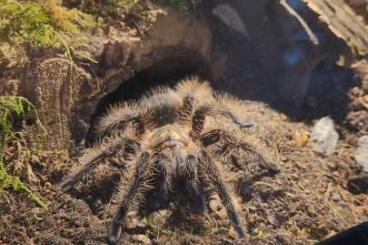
(304, 24)
(67, 49)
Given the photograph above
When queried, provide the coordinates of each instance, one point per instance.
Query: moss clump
(67, 20)
(26, 22)
(15, 184)
(13, 109)
(41, 23)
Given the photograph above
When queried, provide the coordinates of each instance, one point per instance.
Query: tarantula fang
(164, 140)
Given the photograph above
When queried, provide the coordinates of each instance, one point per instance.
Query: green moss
(67, 20)
(42, 23)
(26, 22)
(15, 184)
(12, 109)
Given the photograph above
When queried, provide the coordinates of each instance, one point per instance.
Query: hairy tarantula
(164, 141)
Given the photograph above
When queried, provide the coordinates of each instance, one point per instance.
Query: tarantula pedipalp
(164, 141)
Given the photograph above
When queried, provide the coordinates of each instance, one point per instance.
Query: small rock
(335, 196)
(361, 155)
(301, 138)
(217, 208)
(364, 101)
(232, 232)
(134, 222)
(365, 84)
(215, 205)
(159, 217)
(324, 136)
(221, 214)
(274, 220)
(142, 239)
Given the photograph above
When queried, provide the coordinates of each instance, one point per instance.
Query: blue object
(293, 55)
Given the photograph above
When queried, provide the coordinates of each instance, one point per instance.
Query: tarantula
(164, 141)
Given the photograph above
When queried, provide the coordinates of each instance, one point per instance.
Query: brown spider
(163, 140)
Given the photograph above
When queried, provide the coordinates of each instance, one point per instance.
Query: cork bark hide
(344, 22)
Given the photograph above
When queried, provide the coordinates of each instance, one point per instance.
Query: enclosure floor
(305, 203)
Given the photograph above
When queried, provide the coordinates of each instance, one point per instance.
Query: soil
(312, 198)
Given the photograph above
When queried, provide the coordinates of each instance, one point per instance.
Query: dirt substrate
(303, 204)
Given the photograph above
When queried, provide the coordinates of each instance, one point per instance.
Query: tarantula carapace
(164, 141)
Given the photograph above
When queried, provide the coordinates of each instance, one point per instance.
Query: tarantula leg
(131, 194)
(210, 170)
(113, 124)
(166, 169)
(255, 156)
(189, 171)
(200, 114)
(185, 112)
(198, 120)
(193, 185)
(241, 123)
(95, 157)
(230, 144)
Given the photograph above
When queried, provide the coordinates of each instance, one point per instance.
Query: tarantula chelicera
(164, 141)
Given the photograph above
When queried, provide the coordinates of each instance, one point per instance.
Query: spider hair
(165, 140)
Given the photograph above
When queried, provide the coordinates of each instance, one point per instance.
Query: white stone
(361, 155)
(324, 136)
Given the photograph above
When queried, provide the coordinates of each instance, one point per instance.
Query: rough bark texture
(344, 22)
(56, 86)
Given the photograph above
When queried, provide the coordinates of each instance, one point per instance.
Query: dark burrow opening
(167, 72)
